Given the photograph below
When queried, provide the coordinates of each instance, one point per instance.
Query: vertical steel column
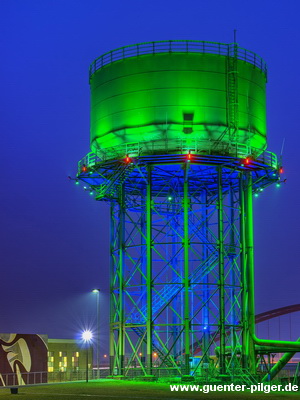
(231, 256)
(111, 303)
(149, 322)
(175, 266)
(186, 244)
(221, 273)
(121, 280)
(143, 267)
(205, 314)
(250, 272)
(243, 266)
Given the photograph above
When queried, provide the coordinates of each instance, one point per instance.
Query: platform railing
(178, 46)
(139, 149)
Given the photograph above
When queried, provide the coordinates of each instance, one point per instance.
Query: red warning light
(84, 168)
(189, 156)
(247, 160)
(281, 170)
(127, 159)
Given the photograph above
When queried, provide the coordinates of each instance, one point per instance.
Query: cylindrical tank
(169, 96)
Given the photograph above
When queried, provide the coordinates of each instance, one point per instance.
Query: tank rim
(178, 46)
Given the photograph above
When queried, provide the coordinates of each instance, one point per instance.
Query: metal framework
(181, 261)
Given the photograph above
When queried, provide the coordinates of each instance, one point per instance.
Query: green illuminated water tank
(175, 96)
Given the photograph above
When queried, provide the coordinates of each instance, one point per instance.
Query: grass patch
(127, 390)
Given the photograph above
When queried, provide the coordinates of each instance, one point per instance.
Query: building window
(50, 361)
(63, 363)
(75, 360)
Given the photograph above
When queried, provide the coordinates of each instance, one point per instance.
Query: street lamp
(97, 292)
(87, 336)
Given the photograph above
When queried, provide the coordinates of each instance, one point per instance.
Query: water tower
(178, 140)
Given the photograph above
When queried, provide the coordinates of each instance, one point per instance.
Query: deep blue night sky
(54, 236)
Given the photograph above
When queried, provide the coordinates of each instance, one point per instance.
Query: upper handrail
(178, 46)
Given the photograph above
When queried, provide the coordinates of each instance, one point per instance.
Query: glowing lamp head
(84, 168)
(87, 336)
(127, 159)
(281, 170)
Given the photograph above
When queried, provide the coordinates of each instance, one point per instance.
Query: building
(68, 355)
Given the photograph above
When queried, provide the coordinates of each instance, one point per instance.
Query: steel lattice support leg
(149, 324)
(250, 270)
(179, 274)
(221, 273)
(186, 245)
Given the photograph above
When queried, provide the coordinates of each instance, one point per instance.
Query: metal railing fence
(179, 46)
(147, 148)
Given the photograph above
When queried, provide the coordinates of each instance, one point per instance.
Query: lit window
(50, 361)
(75, 360)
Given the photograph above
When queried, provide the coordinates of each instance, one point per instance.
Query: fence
(178, 46)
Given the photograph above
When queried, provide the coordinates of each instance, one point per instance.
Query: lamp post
(97, 292)
(87, 337)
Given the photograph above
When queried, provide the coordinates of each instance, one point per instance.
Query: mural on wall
(23, 359)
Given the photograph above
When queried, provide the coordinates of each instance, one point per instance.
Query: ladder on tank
(232, 92)
(232, 97)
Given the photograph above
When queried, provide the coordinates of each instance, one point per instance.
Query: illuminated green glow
(162, 98)
(145, 98)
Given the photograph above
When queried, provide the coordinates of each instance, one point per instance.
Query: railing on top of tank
(178, 46)
(238, 150)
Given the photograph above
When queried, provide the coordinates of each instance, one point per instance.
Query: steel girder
(177, 278)
(181, 261)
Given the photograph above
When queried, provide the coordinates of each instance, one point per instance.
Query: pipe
(279, 365)
(250, 267)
